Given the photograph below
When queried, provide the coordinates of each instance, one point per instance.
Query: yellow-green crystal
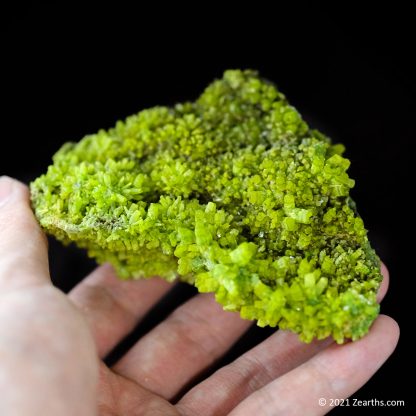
(233, 193)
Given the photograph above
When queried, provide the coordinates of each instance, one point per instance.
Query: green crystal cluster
(233, 193)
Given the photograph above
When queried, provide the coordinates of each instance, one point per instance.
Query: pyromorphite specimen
(234, 193)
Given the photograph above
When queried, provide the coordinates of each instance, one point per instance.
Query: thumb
(23, 246)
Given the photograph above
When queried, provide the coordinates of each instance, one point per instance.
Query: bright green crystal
(233, 193)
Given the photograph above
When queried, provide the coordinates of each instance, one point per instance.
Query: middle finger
(190, 340)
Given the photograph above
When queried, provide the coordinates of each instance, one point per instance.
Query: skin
(51, 345)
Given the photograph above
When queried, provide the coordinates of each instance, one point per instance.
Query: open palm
(48, 349)
(279, 376)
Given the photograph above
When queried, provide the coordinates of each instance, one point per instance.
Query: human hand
(50, 350)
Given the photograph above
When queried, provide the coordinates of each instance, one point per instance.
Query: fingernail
(6, 188)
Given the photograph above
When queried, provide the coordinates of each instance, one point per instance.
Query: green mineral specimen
(233, 193)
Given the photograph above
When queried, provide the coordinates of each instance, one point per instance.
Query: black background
(68, 71)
